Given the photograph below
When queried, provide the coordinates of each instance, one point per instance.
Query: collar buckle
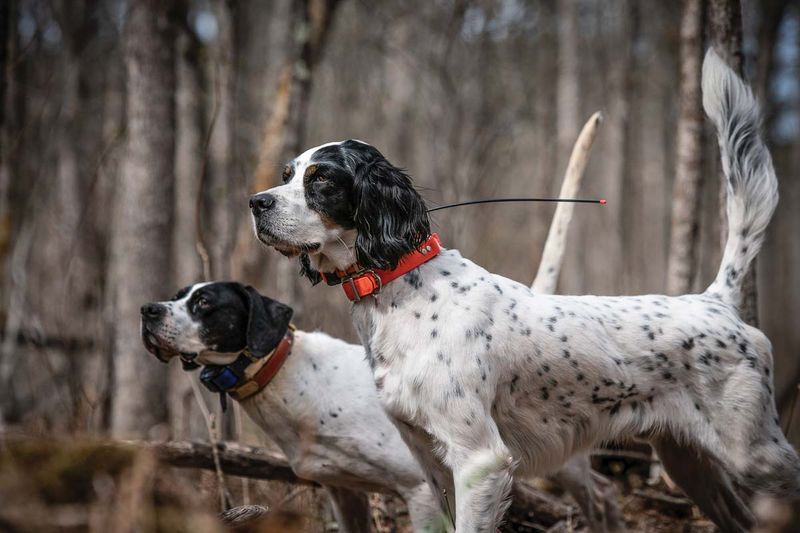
(358, 284)
(358, 295)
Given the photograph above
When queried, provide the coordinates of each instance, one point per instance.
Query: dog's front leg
(439, 479)
(351, 509)
(482, 470)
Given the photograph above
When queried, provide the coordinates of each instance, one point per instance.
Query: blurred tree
(771, 15)
(10, 116)
(142, 236)
(284, 133)
(725, 26)
(568, 109)
(185, 417)
(218, 228)
(682, 262)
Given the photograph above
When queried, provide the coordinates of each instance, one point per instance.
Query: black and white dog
(495, 379)
(322, 408)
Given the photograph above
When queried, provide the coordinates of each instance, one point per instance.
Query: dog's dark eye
(201, 303)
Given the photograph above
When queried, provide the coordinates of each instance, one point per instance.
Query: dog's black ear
(391, 218)
(308, 271)
(267, 322)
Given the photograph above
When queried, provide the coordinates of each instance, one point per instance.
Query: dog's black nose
(152, 310)
(261, 202)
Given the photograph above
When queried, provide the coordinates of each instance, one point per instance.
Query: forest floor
(85, 485)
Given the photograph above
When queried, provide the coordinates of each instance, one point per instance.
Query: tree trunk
(218, 230)
(142, 236)
(725, 21)
(9, 117)
(682, 265)
(771, 15)
(283, 138)
(186, 420)
(568, 115)
(603, 238)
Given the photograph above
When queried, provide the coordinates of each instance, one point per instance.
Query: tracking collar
(359, 282)
(248, 374)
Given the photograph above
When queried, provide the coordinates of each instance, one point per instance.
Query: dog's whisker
(348, 248)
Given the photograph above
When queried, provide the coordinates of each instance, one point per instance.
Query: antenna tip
(602, 202)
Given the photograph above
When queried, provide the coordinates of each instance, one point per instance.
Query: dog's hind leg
(706, 483)
(771, 465)
(351, 509)
(595, 495)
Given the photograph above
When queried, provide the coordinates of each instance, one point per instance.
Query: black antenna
(499, 200)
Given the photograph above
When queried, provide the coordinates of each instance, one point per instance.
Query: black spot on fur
(413, 279)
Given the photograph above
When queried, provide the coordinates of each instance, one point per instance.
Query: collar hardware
(248, 374)
(359, 283)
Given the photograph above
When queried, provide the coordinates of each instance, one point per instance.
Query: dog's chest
(322, 411)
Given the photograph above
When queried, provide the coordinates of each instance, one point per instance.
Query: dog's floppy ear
(390, 218)
(267, 322)
(308, 271)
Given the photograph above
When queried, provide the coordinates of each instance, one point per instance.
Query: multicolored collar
(248, 374)
(359, 282)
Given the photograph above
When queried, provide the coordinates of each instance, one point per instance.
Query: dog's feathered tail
(546, 279)
(752, 188)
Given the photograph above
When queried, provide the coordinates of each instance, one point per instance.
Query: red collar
(358, 282)
(270, 365)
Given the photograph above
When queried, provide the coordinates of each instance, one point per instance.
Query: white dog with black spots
(481, 373)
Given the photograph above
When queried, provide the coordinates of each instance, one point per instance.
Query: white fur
(752, 187)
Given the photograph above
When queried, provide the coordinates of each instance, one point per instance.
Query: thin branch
(224, 496)
(200, 243)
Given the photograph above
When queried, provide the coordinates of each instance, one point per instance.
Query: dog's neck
(336, 255)
(210, 357)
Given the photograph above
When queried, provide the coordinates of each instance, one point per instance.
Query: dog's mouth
(284, 246)
(163, 352)
(156, 346)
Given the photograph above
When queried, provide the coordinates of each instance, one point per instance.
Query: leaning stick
(553, 254)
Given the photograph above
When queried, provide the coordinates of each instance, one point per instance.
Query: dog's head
(210, 323)
(340, 203)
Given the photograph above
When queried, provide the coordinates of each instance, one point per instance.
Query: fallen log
(235, 459)
(531, 508)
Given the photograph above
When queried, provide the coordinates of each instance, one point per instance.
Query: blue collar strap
(248, 374)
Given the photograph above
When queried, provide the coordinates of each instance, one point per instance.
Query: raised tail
(752, 188)
(556, 243)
